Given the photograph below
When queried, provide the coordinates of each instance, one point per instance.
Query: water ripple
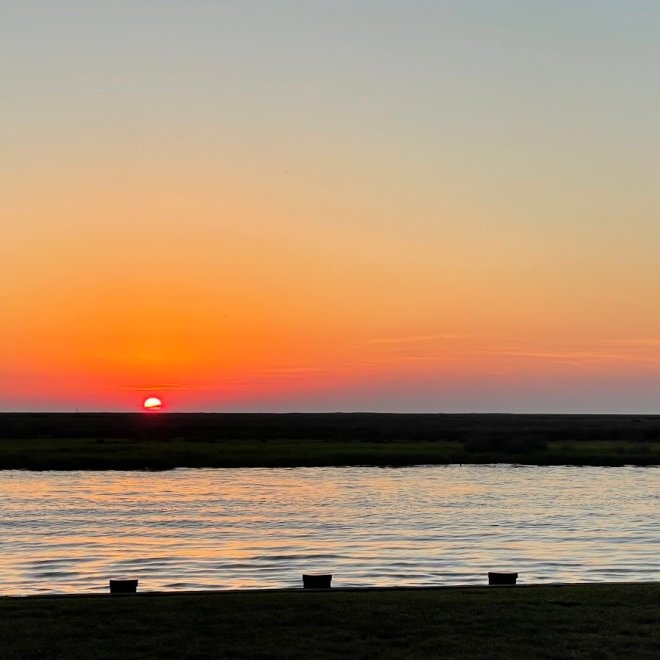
(218, 529)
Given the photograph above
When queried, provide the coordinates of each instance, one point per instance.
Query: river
(187, 529)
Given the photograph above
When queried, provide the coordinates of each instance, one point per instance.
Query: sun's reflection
(199, 529)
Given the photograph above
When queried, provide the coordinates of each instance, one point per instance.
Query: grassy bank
(162, 441)
(585, 621)
(118, 454)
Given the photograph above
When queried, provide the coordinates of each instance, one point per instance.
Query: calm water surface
(243, 528)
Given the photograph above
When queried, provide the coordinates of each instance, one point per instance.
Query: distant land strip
(159, 441)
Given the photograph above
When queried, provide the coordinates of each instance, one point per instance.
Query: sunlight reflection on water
(243, 528)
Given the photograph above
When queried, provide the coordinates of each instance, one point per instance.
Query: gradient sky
(330, 205)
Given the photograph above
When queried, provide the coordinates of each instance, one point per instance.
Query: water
(186, 529)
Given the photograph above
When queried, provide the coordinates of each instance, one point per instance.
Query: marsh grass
(579, 621)
(126, 454)
(162, 441)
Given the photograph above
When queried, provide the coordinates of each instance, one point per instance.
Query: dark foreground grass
(579, 621)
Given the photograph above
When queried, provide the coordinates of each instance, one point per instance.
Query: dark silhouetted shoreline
(64, 441)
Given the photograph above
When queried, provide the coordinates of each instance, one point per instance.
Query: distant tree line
(478, 432)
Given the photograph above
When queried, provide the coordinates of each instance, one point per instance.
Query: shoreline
(164, 441)
(365, 589)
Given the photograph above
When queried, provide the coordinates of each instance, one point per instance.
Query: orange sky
(412, 209)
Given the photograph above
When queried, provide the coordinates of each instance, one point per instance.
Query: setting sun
(152, 403)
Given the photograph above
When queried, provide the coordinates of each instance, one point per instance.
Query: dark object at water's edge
(123, 586)
(317, 581)
(502, 578)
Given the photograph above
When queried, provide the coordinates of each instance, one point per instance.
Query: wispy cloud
(411, 339)
(159, 387)
(606, 352)
(644, 342)
(577, 356)
(388, 359)
(294, 370)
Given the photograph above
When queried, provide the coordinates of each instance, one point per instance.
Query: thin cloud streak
(650, 342)
(413, 339)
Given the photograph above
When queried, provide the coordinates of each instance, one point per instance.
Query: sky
(323, 205)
